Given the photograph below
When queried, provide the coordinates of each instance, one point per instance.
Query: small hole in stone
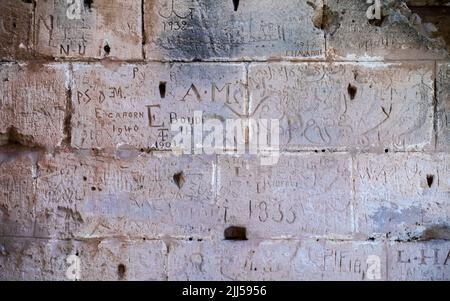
(107, 49)
(178, 178)
(93, 188)
(121, 270)
(430, 179)
(14, 24)
(162, 89)
(84, 179)
(386, 150)
(352, 91)
(235, 233)
(236, 4)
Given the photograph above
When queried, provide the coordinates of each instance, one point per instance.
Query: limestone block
(149, 196)
(342, 261)
(346, 106)
(301, 195)
(428, 2)
(221, 30)
(276, 261)
(40, 259)
(402, 196)
(443, 107)
(16, 33)
(33, 99)
(124, 105)
(398, 34)
(17, 198)
(419, 261)
(436, 18)
(89, 29)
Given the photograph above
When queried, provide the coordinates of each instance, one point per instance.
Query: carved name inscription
(32, 103)
(345, 106)
(108, 259)
(16, 33)
(400, 194)
(277, 260)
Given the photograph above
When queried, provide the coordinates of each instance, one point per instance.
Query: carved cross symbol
(236, 4)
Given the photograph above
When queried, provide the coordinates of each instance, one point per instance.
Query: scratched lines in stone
(136, 105)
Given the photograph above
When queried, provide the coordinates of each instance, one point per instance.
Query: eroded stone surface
(255, 29)
(33, 101)
(400, 196)
(424, 261)
(148, 196)
(398, 35)
(135, 105)
(443, 107)
(40, 259)
(289, 199)
(16, 33)
(276, 260)
(89, 29)
(346, 105)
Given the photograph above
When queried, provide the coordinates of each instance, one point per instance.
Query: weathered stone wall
(88, 93)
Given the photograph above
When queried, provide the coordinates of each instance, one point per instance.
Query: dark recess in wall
(235, 233)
